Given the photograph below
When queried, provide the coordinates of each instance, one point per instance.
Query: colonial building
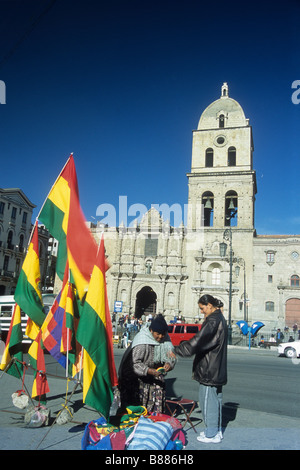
(15, 230)
(159, 268)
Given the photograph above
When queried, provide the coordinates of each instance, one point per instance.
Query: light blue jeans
(210, 401)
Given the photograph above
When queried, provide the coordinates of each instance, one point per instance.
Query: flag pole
(67, 363)
(80, 368)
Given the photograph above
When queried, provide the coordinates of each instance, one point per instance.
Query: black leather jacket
(210, 348)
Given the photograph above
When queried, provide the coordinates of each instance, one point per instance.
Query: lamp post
(223, 246)
(241, 262)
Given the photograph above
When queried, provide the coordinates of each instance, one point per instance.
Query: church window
(231, 209)
(270, 257)
(295, 255)
(216, 277)
(151, 246)
(231, 156)
(221, 120)
(295, 281)
(208, 209)
(171, 299)
(269, 306)
(123, 295)
(148, 266)
(209, 158)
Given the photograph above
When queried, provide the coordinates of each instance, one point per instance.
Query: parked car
(180, 332)
(291, 349)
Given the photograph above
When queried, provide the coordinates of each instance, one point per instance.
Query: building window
(171, 299)
(270, 278)
(221, 120)
(231, 160)
(21, 243)
(269, 306)
(18, 261)
(13, 213)
(270, 257)
(208, 209)
(295, 281)
(295, 255)
(5, 263)
(123, 295)
(9, 240)
(151, 246)
(2, 205)
(24, 218)
(148, 266)
(231, 209)
(216, 277)
(209, 158)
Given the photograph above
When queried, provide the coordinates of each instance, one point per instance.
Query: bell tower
(222, 181)
(222, 188)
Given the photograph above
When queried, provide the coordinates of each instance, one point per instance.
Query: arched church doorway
(292, 312)
(145, 302)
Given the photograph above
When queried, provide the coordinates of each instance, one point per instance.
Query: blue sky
(122, 85)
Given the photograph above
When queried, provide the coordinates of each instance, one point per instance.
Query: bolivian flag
(63, 217)
(94, 333)
(37, 361)
(28, 291)
(69, 343)
(13, 347)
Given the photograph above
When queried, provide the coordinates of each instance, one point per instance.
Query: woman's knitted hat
(159, 324)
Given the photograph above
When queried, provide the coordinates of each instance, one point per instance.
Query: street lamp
(223, 246)
(241, 262)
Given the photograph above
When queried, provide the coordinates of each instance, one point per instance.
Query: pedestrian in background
(279, 336)
(209, 346)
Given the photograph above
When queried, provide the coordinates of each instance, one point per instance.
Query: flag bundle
(13, 347)
(78, 323)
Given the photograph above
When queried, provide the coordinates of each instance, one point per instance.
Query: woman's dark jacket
(210, 348)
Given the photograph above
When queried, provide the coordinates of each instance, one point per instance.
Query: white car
(291, 349)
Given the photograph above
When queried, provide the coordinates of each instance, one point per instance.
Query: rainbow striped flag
(13, 346)
(58, 329)
(94, 333)
(28, 291)
(63, 217)
(53, 324)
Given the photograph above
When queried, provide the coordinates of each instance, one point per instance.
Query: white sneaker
(202, 434)
(213, 440)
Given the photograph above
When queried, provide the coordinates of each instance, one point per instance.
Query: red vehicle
(180, 332)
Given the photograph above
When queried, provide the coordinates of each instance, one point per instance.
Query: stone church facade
(156, 268)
